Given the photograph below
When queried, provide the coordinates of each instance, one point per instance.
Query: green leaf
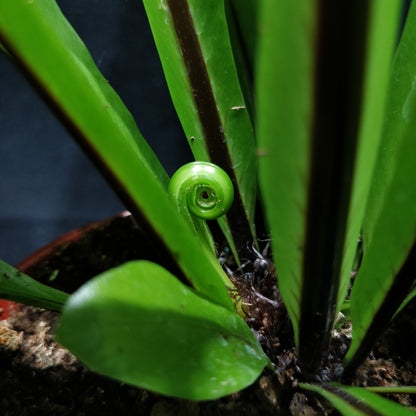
(18, 287)
(245, 12)
(321, 85)
(392, 389)
(194, 47)
(242, 25)
(137, 323)
(283, 101)
(59, 65)
(408, 298)
(356, 401)
(388, 268)
(383, 31)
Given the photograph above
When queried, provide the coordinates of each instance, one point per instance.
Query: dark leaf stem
(204, 99)
(337, 101)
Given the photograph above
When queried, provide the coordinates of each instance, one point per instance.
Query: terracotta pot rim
(69, 237)
(6, 306)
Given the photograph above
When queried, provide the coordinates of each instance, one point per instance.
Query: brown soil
(39, 377)
(393, 359)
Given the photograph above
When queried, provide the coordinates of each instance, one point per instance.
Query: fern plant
(308, 107)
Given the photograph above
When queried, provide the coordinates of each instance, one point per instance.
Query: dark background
(47, 185)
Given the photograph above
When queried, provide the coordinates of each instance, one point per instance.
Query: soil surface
(39, 377)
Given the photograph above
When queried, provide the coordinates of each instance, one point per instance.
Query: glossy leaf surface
(321, 86)
(194, 47)
(357, 401)
(137, 323)
(18, 287)
(388, 268)
(284, 107)
(59, 65)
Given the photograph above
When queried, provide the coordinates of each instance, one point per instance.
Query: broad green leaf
(284, 94)
(357, 401)
(321, 84)
(18, 287)
(59, 65)
(138, 324)
(388, 267)
(194, 47)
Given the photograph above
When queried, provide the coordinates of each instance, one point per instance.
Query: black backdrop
(47, 185)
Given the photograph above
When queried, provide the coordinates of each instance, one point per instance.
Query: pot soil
(39, 377)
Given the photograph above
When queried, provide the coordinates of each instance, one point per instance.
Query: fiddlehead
(202, 191)
(204, 188)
